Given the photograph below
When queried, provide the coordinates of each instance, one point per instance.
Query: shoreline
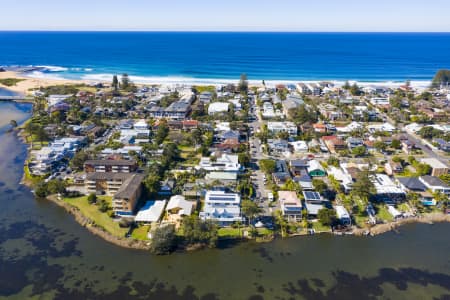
(31, 81)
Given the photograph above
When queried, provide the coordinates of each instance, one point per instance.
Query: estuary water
(45, 254)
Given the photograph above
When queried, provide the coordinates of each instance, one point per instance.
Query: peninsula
(178, 166)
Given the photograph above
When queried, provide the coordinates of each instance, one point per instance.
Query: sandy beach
(32, 83)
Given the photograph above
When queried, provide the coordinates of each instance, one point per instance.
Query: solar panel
(311, 195)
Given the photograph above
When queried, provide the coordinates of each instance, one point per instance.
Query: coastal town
(178, 166)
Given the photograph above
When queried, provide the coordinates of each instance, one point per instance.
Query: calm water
(291, 56)
(45, 254)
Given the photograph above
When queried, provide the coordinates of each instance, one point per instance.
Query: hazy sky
(243, 15)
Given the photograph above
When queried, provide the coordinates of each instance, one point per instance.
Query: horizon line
(213, 31)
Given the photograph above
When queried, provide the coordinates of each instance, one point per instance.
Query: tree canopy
(441, 77)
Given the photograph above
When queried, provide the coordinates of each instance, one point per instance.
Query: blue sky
(228, 15)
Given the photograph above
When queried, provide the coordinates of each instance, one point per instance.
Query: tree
(197, 231)
(267, 165)
(197, 136)
(359, 151)
(161, 133)
(363, 186)
(326, 216)
(243, 84)
(78, 160)
(354, 90)
(164, 240)
(103, 206)
(92, 198)
(319, 185)
(244, 159)
(250, 209)
(56, 186)
(125, 81)
(346, 86)
(442, 77)
(396, 144)
(422, 169)
(115, 83)
(152, 184)
(380, 146)
(333, 161)
(281, 223)
(41, 190)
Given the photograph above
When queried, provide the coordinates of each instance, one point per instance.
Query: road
(257, 175)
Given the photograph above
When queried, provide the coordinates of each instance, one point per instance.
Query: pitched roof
(412, 183)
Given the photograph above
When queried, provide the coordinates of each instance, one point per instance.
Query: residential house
(151, 212)
(438, 167)
(222, 207)
(291, 207)
(353, 142)
(299, 166)
(277, 127)
(177, 208)
(343, 216)
(387, 190)
(218, 107)
(315, 169)
(281, 174)
(278, 145)
(435, 184)
(299, 146)
(334, 144)
(313, 203)
(225, 163)
(392, 167)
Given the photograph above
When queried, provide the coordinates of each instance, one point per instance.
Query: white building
(222, 207)
(381, 127)
(343, 215)
(299, 146)
(277, 127)
(380, 101)
(218, 107)
(150, 212)
(225, 163)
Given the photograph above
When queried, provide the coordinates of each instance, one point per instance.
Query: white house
(299, 146)
(218, 107)
(222, 207)
(435, 184)
(178, 207)
(150, 212)
(225, 163)
(277, 127)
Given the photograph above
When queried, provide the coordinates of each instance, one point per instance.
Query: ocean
(223, 56)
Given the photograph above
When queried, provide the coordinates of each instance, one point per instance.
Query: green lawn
(229, 232)
(383, 213)
(10, 81)
(360, 220)
(101, 219)
(317, 226)
(140, 233)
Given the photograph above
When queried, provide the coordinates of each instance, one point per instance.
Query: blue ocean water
(268, 56)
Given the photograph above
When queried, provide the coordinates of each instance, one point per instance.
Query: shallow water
(45, 253)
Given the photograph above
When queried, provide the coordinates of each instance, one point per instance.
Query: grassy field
(10, 81)
(383, 213)
(140, 233)
(229, 232)
(317, 226)
(101, 219)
